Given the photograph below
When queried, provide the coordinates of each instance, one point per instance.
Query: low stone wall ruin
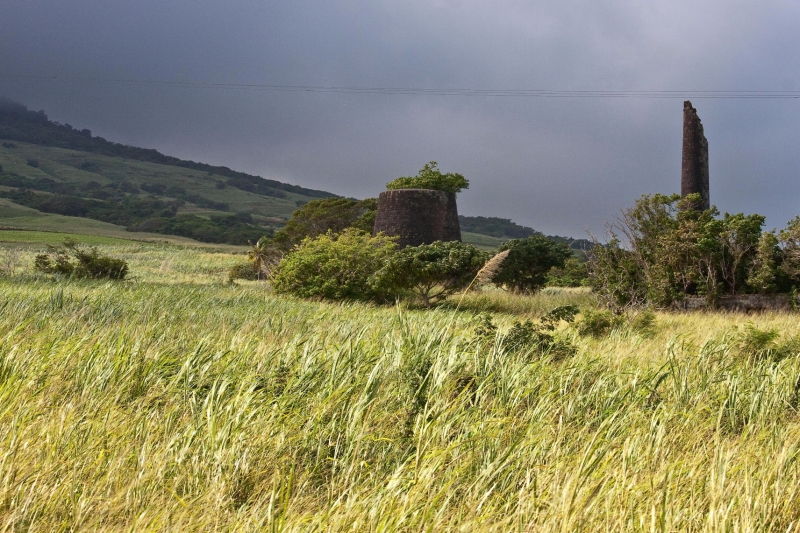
(742, 302)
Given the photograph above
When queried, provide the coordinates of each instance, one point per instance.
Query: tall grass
(142, 406)
(493, 300)
(174, 402)
(154, 263)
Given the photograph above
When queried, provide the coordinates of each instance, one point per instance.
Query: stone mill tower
(694, 165)
(418, 216)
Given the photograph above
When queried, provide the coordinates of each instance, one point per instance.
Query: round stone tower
(418, 216)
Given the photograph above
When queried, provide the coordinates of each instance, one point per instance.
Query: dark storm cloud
(558, 164)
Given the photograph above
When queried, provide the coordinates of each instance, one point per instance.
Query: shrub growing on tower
(430, 177)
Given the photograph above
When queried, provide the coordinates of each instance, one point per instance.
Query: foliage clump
(247, 271)
(528, 335)
(599, 322)
(430, 177)
(432, 272)
(529, 262)
(321, 216)
(664, 249)
(72, 260)
(338, 267)
(759, 344)
(312, 219)
(572, 274)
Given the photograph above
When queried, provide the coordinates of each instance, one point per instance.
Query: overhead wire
(524, 93)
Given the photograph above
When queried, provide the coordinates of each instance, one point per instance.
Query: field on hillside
(175, 401)
(76, 167)
(484, 242)
(14, 216)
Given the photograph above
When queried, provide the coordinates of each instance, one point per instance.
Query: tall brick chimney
(694, 167)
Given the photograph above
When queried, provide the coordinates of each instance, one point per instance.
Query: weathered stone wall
(694, 167)
(743, 302)
(418, 216)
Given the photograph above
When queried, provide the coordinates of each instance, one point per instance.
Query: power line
(526, 93)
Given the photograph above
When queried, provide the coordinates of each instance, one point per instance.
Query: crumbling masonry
(694, 167)
(418, 216)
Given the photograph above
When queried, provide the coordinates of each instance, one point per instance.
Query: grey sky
(557, 164)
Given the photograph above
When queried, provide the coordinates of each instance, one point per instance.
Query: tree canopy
(664, 248)
(321, 216)
(433, 271)
(528, 263)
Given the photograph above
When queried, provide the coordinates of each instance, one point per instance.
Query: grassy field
(17, 217)
(176, 402)
(484, 242)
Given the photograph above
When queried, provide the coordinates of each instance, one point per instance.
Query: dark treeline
(18, 123)
(111, 191)
(505, 228)
(143, 214)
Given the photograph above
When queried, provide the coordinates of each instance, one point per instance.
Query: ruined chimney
(694, 168)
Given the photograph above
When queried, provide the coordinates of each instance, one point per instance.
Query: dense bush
(572, 274)
(756, 344)
(72, 260)
(321, 216)
(434, 271)
(430, 177)
(337, 267)
(599, 322)
(663, 249)
(246, 270)
(530, 336)
(528, 263)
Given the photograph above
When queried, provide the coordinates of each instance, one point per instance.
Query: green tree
(739, 243)
(339, 266)
(263, 257)
(789, 239)
(572, 274)
(763, 275)
(528, 263)
(430, 177)
(434, 271)
(321, 216)
(664, 248)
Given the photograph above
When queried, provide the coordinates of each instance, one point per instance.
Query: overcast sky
(560, 165)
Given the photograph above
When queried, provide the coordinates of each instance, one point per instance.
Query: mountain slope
(18, 123)
(55, 169)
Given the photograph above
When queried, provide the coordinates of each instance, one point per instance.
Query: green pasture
(484, 242)
(49, 237)
(64, 165)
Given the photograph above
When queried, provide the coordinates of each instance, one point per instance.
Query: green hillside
(136, 194)
(55, 169)
(54, 177)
